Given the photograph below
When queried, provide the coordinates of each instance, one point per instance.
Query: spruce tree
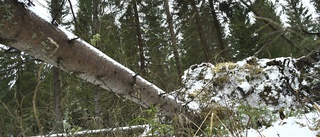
(268, 31)
(261, 36)
(241, 38)
(300, 22)
(191, 28)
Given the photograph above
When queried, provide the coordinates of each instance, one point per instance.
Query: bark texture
(56, 14)
(23, 30)
(139, 36)
(96, 96)
(217, 26)
(173, 39)
(203, 39)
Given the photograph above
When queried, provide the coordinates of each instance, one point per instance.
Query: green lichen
(41, 33)
(45, 46)
(34, 35)
(43, 43)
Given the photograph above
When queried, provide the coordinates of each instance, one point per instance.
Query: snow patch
(245, 86)
(257, 82)
(289, 127)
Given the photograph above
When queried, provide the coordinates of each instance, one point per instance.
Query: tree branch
(83, 60)
(267, 21)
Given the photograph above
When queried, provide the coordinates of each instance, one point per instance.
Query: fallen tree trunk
(118, 131)
(24, 30)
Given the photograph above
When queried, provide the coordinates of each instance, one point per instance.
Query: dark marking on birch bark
(72, 40)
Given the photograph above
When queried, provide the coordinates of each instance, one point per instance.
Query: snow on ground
(271, 83)
(256, 82)
(304, 126)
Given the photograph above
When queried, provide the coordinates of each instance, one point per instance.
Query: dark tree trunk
(204, 42)
(173, 39)
(57, 96)
(218, 30)
(140, 41)
(56, 14)
(95, 27)
(95, 19)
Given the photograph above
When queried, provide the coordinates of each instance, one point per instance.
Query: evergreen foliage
(300, 21)
(254, 28)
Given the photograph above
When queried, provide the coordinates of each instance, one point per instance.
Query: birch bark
(25, 31)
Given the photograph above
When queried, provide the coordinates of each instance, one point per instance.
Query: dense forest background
(159, 40)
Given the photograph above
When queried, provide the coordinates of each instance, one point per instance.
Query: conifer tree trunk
(173, 39)
(57, 96)
(139, 37)
(95, 26)
(56, 14)
(95, 19)
(218, 30)
(203, 39)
